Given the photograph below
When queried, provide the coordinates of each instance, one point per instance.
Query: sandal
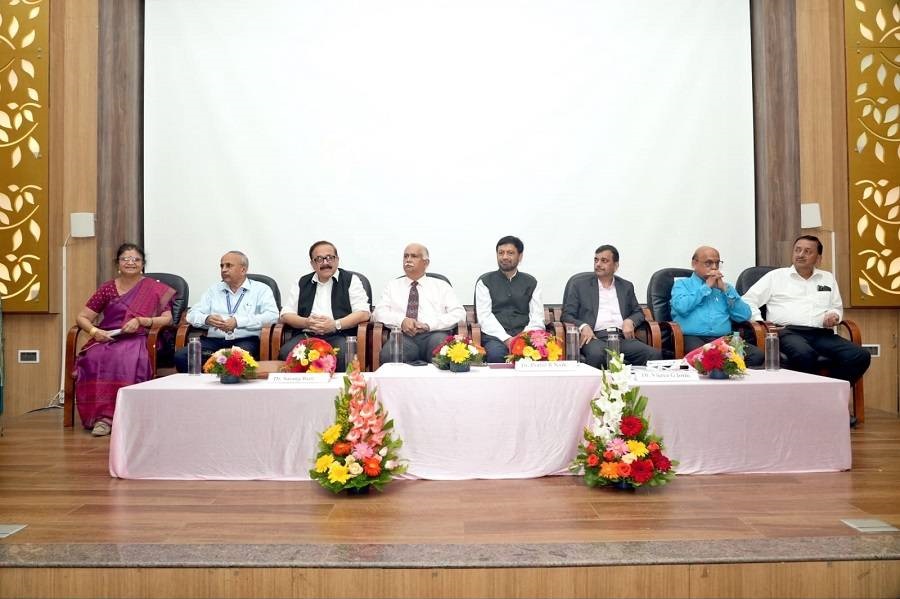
(101, 428)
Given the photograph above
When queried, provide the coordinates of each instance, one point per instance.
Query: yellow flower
(313, 355)
(530, 352)
(637, 448)
(740, 362)
(250, 361)
(331, 434)
(458, 352)
(338, 473)
(554, 351)
(324, 462)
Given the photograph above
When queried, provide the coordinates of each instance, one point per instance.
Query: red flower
(593, 460)
(591, 448)
(712, 359)
(341, 448)
(371, 466)
(660, 462)
(235, 364)
(609, 456)
(631, 426)
(624, 469)
(653, 446)
(642, 471)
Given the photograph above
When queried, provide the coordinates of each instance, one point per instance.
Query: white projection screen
(275, 123)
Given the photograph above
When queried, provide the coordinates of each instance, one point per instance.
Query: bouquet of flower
(357, 451)
(231, 361)
(457, 353)
(311, 355)
(725, 354)
(618, 448)
(535, 345)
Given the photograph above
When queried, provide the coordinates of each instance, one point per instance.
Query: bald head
(705, 260)
(415, 261)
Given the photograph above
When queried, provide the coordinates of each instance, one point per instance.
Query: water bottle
(737, 343)
(395, 345)
(194, 356)
(573, 351)
(350, 354)
(612, 340)
(773, 351)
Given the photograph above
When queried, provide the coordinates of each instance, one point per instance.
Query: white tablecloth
(482, 424)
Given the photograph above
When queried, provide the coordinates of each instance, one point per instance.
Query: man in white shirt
(507, 301)
(805, 301)
(423, 308)
(233, 311)
(327, 303)
(603, 302)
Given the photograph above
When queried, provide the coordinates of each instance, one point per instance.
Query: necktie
(412, 305)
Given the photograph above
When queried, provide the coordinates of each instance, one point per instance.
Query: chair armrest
(153, 340)
(653, 333)
(362, 332)
(69, 378)
(677, 336)
(852, 330)
(752, 332)
(475, 334)
(378, 333)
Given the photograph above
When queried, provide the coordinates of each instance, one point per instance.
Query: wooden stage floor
(80, 520)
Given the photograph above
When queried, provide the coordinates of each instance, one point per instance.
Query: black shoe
(852, 421)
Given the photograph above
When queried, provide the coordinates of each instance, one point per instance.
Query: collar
(503, 274)
(315, 278)
(815, 273)
(245, 285)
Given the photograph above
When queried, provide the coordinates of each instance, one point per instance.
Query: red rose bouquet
(312, 355)
(357, 451)
(618, 449)
(535, 345)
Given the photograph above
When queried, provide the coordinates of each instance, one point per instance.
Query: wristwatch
(337, 324)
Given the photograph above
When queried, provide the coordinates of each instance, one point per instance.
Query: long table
(489, 423)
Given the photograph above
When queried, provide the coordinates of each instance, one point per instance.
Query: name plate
(299, 377)
(657, 376)
(530, 365)
(666, 364)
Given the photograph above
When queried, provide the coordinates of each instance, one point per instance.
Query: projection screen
(274, 123)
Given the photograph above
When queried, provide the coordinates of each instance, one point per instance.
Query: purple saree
(103, 368)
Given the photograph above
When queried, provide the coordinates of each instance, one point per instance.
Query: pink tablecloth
(781, 421)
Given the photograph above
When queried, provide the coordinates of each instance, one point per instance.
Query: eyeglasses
(130, 259)
(711, 263)
(328, 258)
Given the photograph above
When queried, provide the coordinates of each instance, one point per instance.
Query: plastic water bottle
(612, 340)
(351, 351)
(773, 351)
(194, 356)
(573, 351)
(738, 342)
(395, 345)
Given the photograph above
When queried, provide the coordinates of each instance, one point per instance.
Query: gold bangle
(92, 331)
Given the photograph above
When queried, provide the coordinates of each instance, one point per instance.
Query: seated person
(507, 301)
(233, 311)
(327, 303)
(806, 304)
(704, 305)
(606, 301)
(131, 303)
(425, 309)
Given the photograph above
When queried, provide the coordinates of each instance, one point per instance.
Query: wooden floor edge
(850, 579)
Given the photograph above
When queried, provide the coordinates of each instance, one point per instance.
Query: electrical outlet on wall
(29, 356)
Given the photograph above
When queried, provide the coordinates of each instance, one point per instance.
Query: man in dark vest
(327, 303)
(507, 301)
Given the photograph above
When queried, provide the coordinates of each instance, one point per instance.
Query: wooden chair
(846, 328)
(276, 336)
(158, 341)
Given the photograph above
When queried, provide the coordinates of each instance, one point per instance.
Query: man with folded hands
(704, 305)
(327, 303)
(507, 301)
(603, 302)
(806, 304)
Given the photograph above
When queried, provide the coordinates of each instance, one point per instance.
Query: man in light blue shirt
(234, 311)
(704, 305)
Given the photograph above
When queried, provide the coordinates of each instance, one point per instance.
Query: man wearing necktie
(423, 308)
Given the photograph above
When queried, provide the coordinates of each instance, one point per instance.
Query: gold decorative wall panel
(873, 131)
(24, 170)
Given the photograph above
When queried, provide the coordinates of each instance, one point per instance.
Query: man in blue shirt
(233, 311)
(704, 305)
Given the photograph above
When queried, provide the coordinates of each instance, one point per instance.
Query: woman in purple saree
(116, 355)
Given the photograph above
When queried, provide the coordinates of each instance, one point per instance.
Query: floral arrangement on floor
(357, 451)
(312, 355)
(457, 353)
(232, 361)
(725, 354)
(618, 449)
(536, 346)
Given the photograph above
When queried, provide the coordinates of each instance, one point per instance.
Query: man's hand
(587, 335)
(831, 320)
(216, 321)
(408, 326)
(508, 343)
(628, 328)
(715, 279)
(319, 324)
